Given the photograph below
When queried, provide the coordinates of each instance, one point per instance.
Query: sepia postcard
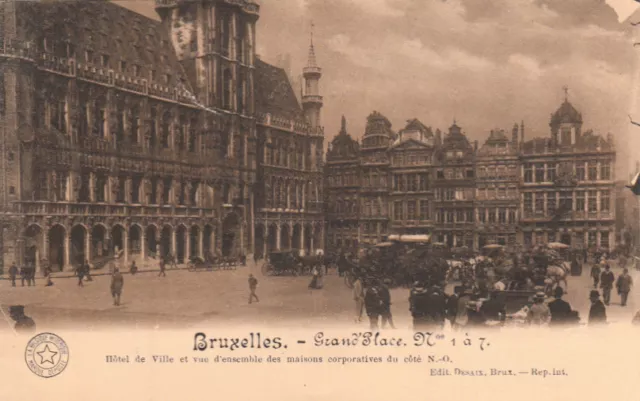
(319, 199)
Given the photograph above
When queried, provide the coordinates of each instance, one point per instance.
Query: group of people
(372, 296)
(27, 273)
(602, 275)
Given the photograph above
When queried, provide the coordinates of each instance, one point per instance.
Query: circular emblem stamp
(47, 355)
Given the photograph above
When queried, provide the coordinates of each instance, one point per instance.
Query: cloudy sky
(486, 63)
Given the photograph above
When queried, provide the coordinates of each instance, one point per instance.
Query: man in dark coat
(495, 308)
(163, 268)
(253, 285)
(623, 285)
(13, 272)
(561, 312)
(117, 282)
(598, 312)
(373, 304)
(24, 324)
(385, 294)
(80, 273)
(606, 283)
(24, 275)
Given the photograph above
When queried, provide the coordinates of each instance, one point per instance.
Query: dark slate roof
(108, 29)
(417, 125)
(274, 93)
(566, 114)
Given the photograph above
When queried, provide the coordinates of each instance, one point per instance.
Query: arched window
(193, 138)
(99, 118)
(135, 125)
(181, 130)
(153, 132)
(227, 89)
(166, 130)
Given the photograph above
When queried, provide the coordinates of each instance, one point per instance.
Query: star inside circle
(47, 355)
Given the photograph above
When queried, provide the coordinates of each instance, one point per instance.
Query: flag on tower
(635, 184)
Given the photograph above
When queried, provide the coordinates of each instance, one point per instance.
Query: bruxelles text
(363, 339)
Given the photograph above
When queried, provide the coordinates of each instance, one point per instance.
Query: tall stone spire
(311, 100)
(343, 126)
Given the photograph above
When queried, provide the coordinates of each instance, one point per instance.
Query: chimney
(514, 136)
(522, 132)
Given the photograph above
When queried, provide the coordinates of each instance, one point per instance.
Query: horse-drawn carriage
(280, 263)
(212, 262)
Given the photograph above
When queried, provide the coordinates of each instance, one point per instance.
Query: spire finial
(566, 93)
(343, 126)
(312, 53)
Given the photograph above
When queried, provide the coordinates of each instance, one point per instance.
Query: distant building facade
(151, 137)
(497, 182)
(509, 191)
(568, 188)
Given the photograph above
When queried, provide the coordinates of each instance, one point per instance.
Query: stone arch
(118, 238)
(296, 239)
(151, 239)
(194, 241)
(308, 238)
(57, 234)
(166, 241)
(259, 240)
(34, 239)
(99, 241)
(208, 238)
(285, 237)
(135, 239)
(181, 244)
(231, 235)
(272, 237)
(78, 245)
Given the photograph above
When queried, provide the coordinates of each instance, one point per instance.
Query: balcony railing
(45, 208)
(574, 215)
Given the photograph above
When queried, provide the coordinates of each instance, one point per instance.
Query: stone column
(45, 244)
(201, 243)
(143, 245)
(242, 250)
(278, 237)
(265, 242)
(125, 245)
(187, 245)
(92, 186)
(67, 250)
(127, 190)
(173, 242)
(302, 248)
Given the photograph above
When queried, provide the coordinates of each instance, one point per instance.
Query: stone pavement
(190, 299)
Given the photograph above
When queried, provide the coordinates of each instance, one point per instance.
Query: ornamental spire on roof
(343, 127)
(312, 53)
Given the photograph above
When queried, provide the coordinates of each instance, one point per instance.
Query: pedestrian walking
(163, 269)
(47, 274)
(373, 304)
(385, 294)
(117, 282)
(623, 285)
(133, 269)
(606, 283)
(597, 312)
(595, 275)
(13, 273)
(358, 297)
(87, 270)
(80, 273)
(253, 285)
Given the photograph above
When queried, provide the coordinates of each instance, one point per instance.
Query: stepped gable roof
(566, 114)
(455, 139)
(274, 93)
(496, 144)
(343, 146)
(417, 125)
(106, 29)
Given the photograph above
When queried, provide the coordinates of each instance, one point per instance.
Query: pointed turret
(311, 100)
